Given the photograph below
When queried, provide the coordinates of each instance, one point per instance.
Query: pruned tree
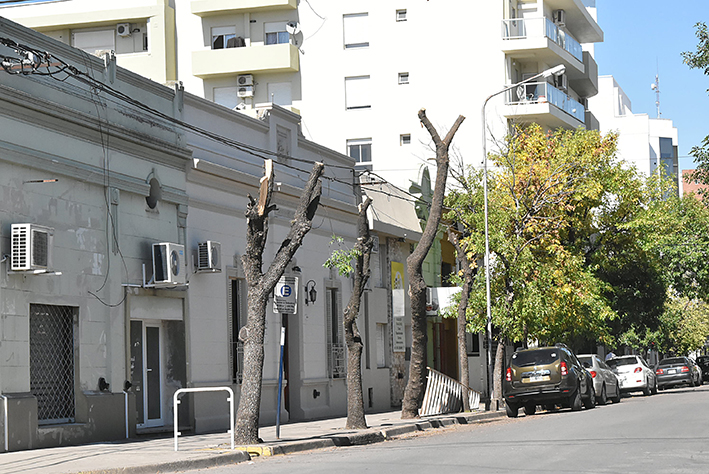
(361, 253)
(261, 285)
(413, 394)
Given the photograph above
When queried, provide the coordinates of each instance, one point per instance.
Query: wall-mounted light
(310, 293)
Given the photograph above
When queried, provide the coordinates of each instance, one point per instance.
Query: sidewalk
(201, 451)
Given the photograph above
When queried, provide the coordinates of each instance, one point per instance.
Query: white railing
(176, 402)
(445, 395)
(522, 28)
(543, 92)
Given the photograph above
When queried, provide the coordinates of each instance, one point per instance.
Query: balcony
(541, 38)
(578, 20)
(273, 58)
(587, 84)
(543, 103)
(204, 8)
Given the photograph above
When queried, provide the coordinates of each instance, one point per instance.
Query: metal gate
(52, 362)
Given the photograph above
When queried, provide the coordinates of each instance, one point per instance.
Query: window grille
(52, 362)
(236, 321)
(335, 335)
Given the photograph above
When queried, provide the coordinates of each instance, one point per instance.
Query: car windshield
(672, 360)
(586, 360)
(702, 358)
(617, 362)
(535, 357)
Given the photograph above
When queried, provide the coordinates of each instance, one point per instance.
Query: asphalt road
(667, 433)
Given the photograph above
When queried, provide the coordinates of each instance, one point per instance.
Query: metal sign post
(285, 301)
(280, 377)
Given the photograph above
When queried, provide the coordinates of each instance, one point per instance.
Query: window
(357, 92)
(356, 30)
(405, 139)
(52, 362)
(275, 33)
(224, 37)
(335, 338)
(472, 343)
(360, 150)
(236, 322)
(403, 78)
(94, 41)
(401, 15)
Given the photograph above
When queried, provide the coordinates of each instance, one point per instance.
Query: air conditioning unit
(245, 91)
(169, 264)
(245, 80)
(562, 82)
(559, 17)
(31, 247)
(209, 256)
(123, 29)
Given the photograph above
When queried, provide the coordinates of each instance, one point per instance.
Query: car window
(618, 361)
(672, 360)
(586, 361)
(535, 357)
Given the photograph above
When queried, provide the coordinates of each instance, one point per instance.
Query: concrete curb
(182, 465)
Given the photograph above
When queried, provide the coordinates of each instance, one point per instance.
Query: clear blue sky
(641, 37)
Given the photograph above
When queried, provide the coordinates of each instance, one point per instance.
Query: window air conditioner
(209, 256)
(169, 264)
(559, 17)
(123, 29)
(245, 80)
(31, 247)
(245, 91)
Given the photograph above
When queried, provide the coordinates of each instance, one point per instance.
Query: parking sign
(285, 295)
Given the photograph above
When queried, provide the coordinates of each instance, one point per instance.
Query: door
(152, 376)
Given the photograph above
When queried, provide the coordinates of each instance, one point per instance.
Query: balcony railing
(543, 92)
(523, 28)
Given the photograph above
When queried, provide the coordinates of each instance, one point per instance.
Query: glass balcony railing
(523, 28)
(543, 92)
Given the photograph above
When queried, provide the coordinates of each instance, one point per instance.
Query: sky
(642, 38)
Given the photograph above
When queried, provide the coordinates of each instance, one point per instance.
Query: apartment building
(643, 142)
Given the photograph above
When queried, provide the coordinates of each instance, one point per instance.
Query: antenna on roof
(656, 87)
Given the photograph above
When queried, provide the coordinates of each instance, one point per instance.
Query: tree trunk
(496, 400)
(413, 395)
(464, 264)
(260, 286)
(355, 397)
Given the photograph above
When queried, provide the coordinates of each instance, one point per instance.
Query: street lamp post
(556, 70)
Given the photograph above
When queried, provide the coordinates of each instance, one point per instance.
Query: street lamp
(556, 70)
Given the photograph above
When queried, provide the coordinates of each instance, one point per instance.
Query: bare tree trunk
(413, 395)
(355, 397)
(464, 264)
(260, 286)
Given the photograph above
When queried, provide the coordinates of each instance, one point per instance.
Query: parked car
(605, 382)
(546, 376)
(634, 374)
(677, 371)
(703, 363)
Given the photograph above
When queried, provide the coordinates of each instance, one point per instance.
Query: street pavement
(143, 456)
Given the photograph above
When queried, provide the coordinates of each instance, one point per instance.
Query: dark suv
(547, 376)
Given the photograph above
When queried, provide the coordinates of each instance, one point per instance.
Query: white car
(634, 374)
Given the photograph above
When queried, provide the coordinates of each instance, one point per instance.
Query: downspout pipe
(5, 422)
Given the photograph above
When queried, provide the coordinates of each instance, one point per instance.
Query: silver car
(605, 382)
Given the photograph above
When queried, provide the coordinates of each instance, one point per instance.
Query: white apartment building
(642, 140)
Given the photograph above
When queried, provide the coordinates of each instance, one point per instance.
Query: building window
(335, 337)
(224, 37)
(403, 78)
(52, 362)
(401, 15)
(236, 323)
(360, 150)
(356, 30)
(405, 139)
(357, 93)
(276, 33)
(472, 343)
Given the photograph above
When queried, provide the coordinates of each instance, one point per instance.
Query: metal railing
(522, 28)
(543, 92)
(445, 395)
(338, 362)
(230, 399)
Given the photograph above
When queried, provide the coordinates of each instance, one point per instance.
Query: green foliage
(341, 258)
(685, 326)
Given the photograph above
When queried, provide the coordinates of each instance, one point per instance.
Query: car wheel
(654, 388)
(616, 398)
(691, 382)
(647, 391)
(512, 410)
(604, 396)
(590, 401)
(530, 409)
(575, 400)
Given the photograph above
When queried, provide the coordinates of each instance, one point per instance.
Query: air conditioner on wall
(559, 17)
(31, 247)
(209, 256)
(245, 91)
(245, 80)
(169, 264)
(123, 29)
